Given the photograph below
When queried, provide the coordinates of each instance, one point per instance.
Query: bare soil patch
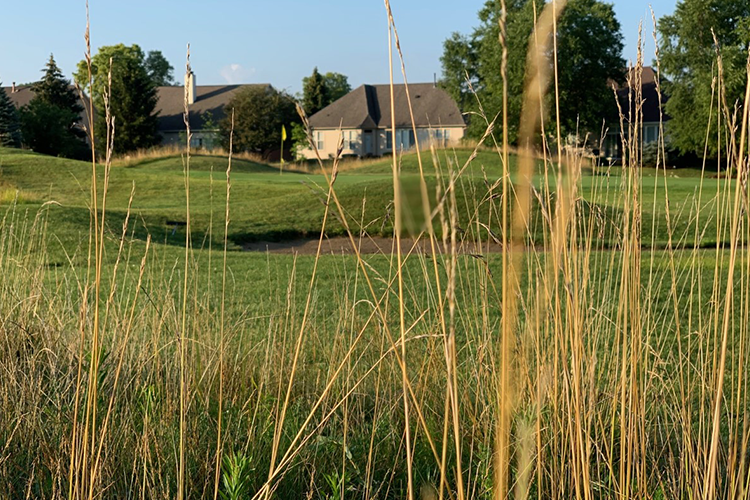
(340, 245)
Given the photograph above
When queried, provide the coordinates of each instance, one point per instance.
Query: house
(21, 95)
(206, 108)
(653, 114)
(364, 117)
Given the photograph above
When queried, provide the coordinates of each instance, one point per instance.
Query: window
(402, 138)
(319, 140)
(388, 140)
(446, 135)
(349, 139)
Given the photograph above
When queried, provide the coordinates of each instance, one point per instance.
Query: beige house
(363, 117)
(206, 104)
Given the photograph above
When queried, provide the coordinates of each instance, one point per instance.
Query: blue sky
(253, 41)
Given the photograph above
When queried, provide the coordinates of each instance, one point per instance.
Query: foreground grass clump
(624, 397)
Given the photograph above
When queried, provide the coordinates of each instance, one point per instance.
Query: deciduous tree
(337, 86)
(589, 45)
(688, 60)
(159, 69)
(259, 113)
(133, 96)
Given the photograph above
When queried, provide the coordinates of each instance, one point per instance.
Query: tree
(314, 93)
(56, 90)
(318, 91)
(50, 130)
(50, 123)
(589, 46)
(459, 59)
(159, 69)
(337, 86)
(10, 130)
(259, 113)
(688, 60)
(133, 96)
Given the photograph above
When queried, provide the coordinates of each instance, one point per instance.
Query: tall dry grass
(575, 364)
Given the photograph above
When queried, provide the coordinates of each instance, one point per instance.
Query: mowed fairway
(286, 371)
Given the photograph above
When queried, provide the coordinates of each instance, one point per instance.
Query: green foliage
(50, 123)
(235, 477)
(132, 100)
(52, 130)
(56, 90)
(299, 140)
(337, 86)
(318, 91)
(688, 60)
(259, 113)
(459, 60)
(314, 93)
(589, 54)
(159, 69)
(10, 128)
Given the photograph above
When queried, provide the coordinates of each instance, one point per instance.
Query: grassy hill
(268, 205)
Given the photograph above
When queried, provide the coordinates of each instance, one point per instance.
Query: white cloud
(234, 73)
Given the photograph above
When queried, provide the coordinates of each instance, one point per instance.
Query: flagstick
(281, 152)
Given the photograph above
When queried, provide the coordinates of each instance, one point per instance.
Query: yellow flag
(283, 133)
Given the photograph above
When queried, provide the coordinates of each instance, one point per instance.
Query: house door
(368, 143)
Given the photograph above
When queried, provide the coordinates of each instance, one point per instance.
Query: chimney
(190, 87)
(13, 88)
(434, 80)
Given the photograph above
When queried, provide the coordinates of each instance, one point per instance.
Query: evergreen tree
(314, 93)
(133, 96)
(10, 130)
(56, 90)
(51, 121)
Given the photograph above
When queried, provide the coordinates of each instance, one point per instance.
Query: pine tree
(56, 90)
(10, 129)
(314, 92)
(50, 123)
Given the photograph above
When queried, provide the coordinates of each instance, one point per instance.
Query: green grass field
(288, 374)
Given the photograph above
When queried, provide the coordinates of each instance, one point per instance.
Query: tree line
(127, 77)
(589, 59)
(53, 121)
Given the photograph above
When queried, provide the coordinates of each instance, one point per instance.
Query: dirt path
(369, 245)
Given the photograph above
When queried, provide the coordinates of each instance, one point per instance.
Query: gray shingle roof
(368, 106)
(22, 96)
(208, 98)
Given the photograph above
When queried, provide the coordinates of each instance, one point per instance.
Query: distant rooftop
(208, 99)
(369, 106)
